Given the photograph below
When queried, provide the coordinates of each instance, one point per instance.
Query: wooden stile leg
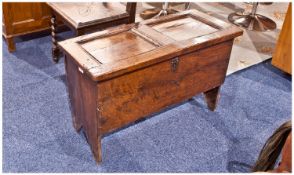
(94, 141)
(10, 44)
(98, 151)
(55, 50)
(212, 97)
(95, 145)
(76, 123)
(73, 93)
(83, 107)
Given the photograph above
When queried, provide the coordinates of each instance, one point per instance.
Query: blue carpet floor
(38, 135)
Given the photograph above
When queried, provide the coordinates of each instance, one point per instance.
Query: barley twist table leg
(55, 49)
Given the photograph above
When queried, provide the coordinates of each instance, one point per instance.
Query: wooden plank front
(127, 98)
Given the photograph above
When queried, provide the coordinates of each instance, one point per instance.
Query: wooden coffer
(123, 74)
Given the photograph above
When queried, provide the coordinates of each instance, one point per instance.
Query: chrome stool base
(252, 22)
(164, 12)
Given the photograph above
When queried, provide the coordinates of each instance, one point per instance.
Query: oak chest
(120, 75)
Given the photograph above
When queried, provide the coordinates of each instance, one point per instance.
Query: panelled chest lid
(113, 52)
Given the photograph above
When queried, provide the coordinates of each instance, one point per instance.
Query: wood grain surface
(82, 94)
(117, 47)
(183, 29)
(87, 13)
(118, 76)
(282, 57)
(23, 18)
(127, 98)
(169, 47)
(88, 17)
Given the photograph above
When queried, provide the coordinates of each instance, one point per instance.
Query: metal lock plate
(174, 64)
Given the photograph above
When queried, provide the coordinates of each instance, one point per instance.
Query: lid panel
(116, 51)
(117, 47)
(183, 28)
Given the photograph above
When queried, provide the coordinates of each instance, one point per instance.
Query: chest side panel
(74, 89)
(127, 98)
(82, 92)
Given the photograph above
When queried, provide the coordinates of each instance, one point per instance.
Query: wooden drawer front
(131, 96)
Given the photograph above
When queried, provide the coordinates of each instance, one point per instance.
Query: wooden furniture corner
(282, 57)
(89, 17)
(23, 18)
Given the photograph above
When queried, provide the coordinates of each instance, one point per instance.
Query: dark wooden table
(120, 75)
(91, 16)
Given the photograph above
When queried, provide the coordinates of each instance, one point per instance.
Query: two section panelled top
(109, 53)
